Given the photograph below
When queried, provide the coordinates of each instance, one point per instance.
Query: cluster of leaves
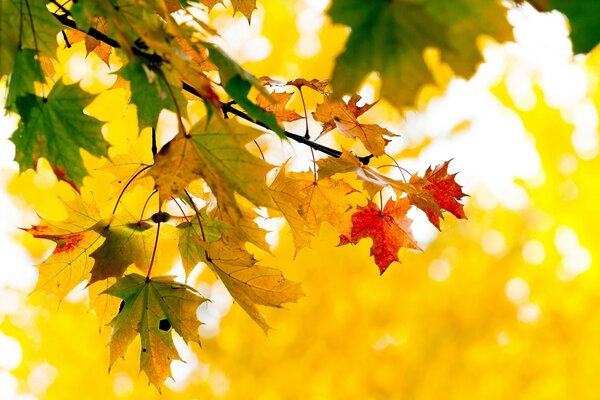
(207, 171)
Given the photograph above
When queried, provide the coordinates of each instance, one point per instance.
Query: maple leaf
(437, 191)
(47, 130)
(583, 21)
(315, 84)
(124, 244)
(152, 308)
(75, 239)
(216, 226)
(191, 252)
(277, 106)
(372, 180)
(343, 116)
(284, 192)
(246, 7)
(317, 201)
(237, 82)
(22, 83)
(92, 45)
(389, 228)
(390, 37)
(249, 284)
(151, 94)
(217, 154)
(35, 29)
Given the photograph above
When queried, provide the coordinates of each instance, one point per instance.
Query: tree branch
(225, 107)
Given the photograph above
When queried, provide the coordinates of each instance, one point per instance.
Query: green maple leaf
(150, 94)
(584, 17)
(237, 82)
(390, 36)
(57, 129)
(25, 24)
(217, 154)
(22, 83)
(152, 308)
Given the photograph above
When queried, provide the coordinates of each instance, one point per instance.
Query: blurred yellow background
(503, 305)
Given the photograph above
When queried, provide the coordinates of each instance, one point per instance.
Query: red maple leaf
(437, 191)
(389, 229)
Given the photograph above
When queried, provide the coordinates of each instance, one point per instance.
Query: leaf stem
(199, 222)
(306, 132)
(146, 203)
(126, 186)
(155, 245)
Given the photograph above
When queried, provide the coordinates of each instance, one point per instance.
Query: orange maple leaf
(277, 106)
(93, 45)
(318, 85)
(389, 229)
(343, 116)
(438, 191)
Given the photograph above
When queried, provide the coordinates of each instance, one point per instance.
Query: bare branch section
(227, 108)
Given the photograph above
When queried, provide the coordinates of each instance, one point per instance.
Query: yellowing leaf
(372, 180)
(150, 308)
(284, 192)
(124, 244)
(315, 84)
(321, 201)
(343, 116)
(250, 284)
(75, 239)
(246, 7)
(277, 106)
(217, 154)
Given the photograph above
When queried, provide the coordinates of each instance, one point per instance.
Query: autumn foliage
(137, 204)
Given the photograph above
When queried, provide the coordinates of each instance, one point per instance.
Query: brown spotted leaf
(152, 309)
(216, 153)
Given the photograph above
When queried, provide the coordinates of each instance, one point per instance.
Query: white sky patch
(181, 370)
(211, 313)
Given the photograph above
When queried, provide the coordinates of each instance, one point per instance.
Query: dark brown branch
(226, 107)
